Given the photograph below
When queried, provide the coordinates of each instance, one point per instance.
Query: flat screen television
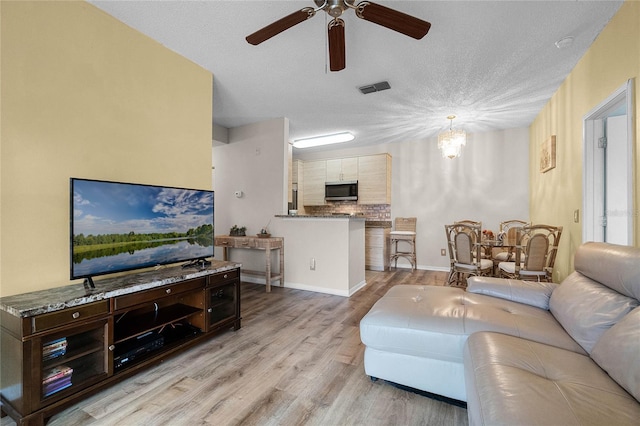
(118, 227)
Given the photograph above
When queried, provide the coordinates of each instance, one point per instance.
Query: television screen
(123, 226)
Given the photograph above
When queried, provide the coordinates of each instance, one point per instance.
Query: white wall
(254, 162)
(489, 182)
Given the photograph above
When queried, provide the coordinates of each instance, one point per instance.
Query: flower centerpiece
(487, 234)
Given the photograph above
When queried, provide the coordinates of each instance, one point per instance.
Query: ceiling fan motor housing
(334, 8)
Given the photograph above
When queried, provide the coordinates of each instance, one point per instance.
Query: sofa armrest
(528, 292)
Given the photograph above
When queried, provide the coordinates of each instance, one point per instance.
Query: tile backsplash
(370, 211)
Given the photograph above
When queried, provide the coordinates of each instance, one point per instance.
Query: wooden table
(256, 243)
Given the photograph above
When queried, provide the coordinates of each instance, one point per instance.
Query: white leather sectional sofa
(520, 352)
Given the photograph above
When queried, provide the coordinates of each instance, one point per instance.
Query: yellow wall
(83, 95)
(613, 58)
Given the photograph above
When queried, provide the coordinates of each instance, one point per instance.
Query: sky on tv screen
(101, 208)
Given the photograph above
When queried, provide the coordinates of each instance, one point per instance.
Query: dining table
(489, 244)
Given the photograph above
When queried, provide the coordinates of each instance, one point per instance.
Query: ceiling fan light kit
(323, 140)
(372, 12)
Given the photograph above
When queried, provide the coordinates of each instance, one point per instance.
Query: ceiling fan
(372, 12)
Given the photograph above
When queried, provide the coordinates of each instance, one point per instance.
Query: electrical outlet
(312, 264)
(443, 252)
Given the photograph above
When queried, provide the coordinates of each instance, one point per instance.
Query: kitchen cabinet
(373, 173)
(298, 185)
(376, 245)
(314, 178)
(295, 170)
(374, 179)
(342, 169)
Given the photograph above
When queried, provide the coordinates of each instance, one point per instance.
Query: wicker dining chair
(507, 234)
(536, 249)
(465, 252)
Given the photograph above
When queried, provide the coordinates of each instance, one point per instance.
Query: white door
(616, 193)
(608, 170)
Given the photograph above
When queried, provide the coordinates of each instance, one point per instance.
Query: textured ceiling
(494, 64)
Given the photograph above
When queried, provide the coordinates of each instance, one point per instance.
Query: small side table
(256, 243)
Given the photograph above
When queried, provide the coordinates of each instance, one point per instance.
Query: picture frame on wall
(548, 154)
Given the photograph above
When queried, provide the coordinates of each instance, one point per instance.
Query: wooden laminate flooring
(297, 360)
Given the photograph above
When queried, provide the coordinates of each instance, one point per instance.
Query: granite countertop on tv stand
(54, 299)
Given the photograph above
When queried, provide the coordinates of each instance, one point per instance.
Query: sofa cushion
(528, 292)
(586, 309)
(434, 322)
(618, 353)
(616, 266)
(516, 381)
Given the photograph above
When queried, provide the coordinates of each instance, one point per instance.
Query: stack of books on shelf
(54, 349)
(56, 379)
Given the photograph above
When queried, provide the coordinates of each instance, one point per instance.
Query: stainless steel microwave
(341, 191)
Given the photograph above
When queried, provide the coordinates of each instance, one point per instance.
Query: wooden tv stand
(64, 344)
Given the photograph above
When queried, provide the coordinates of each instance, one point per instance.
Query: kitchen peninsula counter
(325, 253)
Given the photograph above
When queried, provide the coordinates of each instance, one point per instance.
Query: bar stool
(405, 234)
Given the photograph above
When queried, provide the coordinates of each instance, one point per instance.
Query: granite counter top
(54, 299)
(369, 223)
(374, 223)
(320, 216)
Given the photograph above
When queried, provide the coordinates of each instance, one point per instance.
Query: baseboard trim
(315, 289)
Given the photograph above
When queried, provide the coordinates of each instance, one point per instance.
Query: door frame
(591, 176)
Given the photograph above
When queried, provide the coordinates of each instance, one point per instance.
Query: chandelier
(451, 141)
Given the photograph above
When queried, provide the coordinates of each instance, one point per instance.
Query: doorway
(608, 175)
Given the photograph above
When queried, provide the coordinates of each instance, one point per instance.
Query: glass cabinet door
(70, 360)
(222, 304)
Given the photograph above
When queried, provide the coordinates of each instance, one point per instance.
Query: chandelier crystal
(450, 142)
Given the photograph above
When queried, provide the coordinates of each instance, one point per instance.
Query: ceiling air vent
(383, 85)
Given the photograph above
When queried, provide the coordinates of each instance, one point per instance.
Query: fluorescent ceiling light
(323, 140)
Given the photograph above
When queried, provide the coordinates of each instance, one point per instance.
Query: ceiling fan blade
(392, 19)
(337, 54)
(280, 25)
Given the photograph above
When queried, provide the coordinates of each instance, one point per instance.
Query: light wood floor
(297, 360)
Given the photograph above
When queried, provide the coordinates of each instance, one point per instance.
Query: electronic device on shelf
(118, 226)
(129, 351)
